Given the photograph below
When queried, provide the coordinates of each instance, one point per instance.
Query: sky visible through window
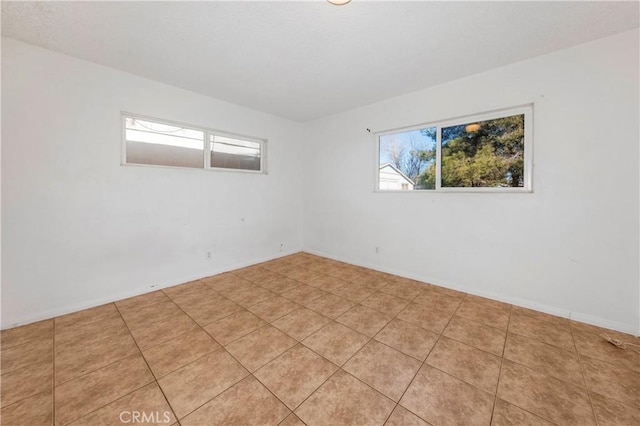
(391, 145)
(413, 153)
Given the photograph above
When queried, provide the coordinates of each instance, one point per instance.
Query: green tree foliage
(489, 155)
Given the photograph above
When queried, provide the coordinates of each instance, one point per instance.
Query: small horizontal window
(488, 152)
(155, 142)
(231, 153)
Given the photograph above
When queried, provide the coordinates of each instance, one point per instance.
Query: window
(233, 153)
(484, 153)
(150, 141)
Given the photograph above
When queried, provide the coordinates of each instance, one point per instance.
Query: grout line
(584, 376)
(155, 380)
(223, 348)
(117, 399)
(426, 357)
(504, 348)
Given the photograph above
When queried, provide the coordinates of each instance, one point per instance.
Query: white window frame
(208, 132)
(526, 110)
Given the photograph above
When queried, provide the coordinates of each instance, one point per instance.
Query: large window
(489, 152)
(151, 141)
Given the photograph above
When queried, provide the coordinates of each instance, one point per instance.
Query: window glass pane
(231, 153)
(484, 154)
(408, 160)
(160, 144)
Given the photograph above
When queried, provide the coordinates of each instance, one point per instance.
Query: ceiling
(308, 59)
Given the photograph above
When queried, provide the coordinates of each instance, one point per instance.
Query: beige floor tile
(330, 305)
(444, 400)
(383, 368)
(364, 320)
(234, 326)
(292, 420)
(142, 300)
(274, 308)
(374, 280)
(301, 323)
(405, 289)
(505, 414)
(73, 361)
(336, 342)
(408, 338)
(86, 334)
(259, 347)
(543, 331)
(25, 382)
(148, 401)
(205, 312)
(295, 375)
(611, 412)
(403, 417)
(178, 352)
(23, 334)
(613, 381)
(448, 291)
(142, 317)
(32, 352)
(436, 300)
(279, 285)
(595, 346)
(542, 316)
(36, 410)
(194, 384)
(327, 283)
(177, 291)
(356, 293)
(304, 294)
(82, 318)
(250, 295)
(199, 294)
(344, 272)
(163, 330)
(545, 396)
(385, 303)
(471, 365)
(266, 278)
(493, 316)
(85, 394)
(548, 359)
(344, 400)
(427, 318)
(251, 273)
(224, 283)
(304, 275)
(246, 403)
(483, 337)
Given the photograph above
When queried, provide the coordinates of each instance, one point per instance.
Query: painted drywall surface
(79, 229)
(570, 247)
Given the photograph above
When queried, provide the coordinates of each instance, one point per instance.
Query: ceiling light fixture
(472, 128)
(339, 2)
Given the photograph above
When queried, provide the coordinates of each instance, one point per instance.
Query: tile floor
(308, 340)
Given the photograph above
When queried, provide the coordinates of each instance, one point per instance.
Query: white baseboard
(28, 319)
(553, 310)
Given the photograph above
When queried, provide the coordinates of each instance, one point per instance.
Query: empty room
(341, 212)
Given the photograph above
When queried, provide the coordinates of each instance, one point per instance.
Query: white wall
(79, 229)
(569, 248)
